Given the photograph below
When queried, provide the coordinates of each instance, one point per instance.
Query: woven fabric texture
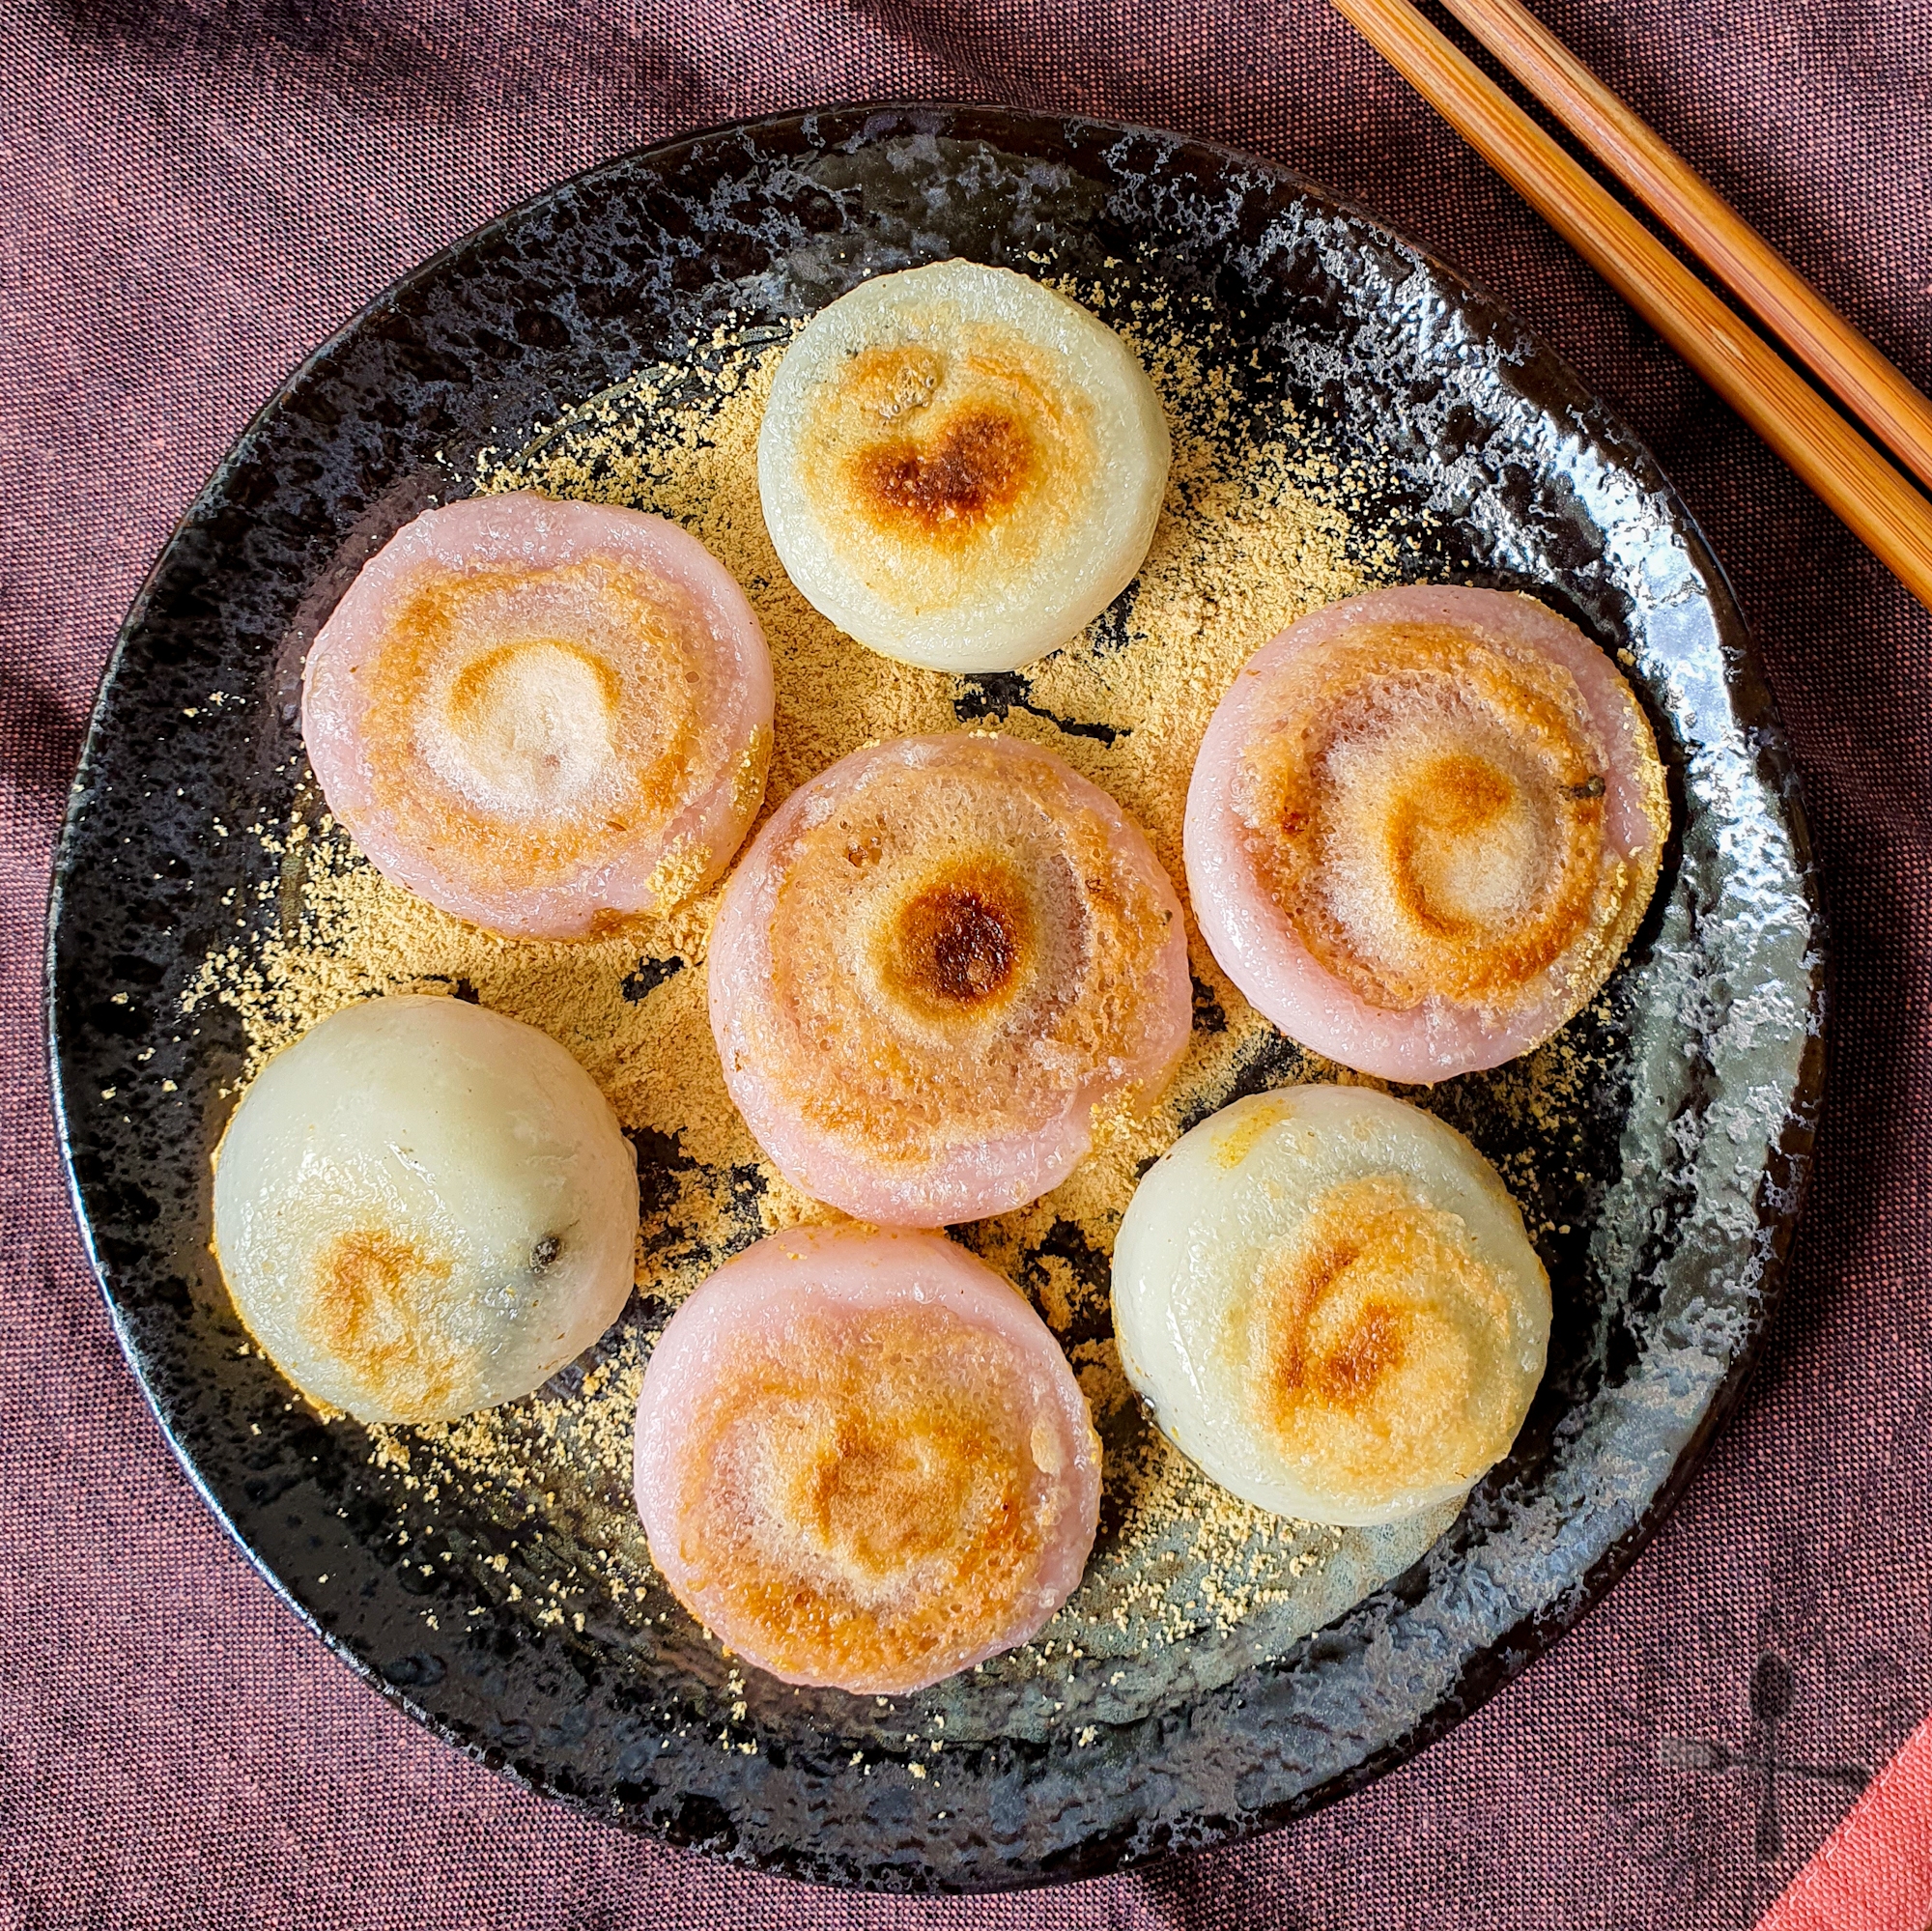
(196, 193)
(1875, 1871)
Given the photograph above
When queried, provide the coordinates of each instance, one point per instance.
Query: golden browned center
(970, 469)
(1452, 802)
(1427, 812)
(372, 1307)
(961, 937)
(960, 450)
(523, 722)
(1377, 1345)
(862, 1496)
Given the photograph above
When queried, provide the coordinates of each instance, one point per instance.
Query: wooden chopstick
(1873, 501)
(1837, 354)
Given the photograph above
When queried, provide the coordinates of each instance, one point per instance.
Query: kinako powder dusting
(1253, 533)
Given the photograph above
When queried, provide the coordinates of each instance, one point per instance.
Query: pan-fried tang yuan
(863, 1460)
(936, 961)
(422, 1208)
(1423, 826)
(543, 717)
(1326, 1298)
(961, 467)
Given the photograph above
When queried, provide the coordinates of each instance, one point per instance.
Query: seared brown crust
(374, 1306)
(956, 453)
(972, 467)
(963, 938)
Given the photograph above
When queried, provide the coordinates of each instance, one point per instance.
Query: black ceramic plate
(1499, 470)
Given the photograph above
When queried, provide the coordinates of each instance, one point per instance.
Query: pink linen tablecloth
(1875, 1871)
(197, 191)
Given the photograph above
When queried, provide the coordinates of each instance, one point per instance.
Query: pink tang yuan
(1423, 827)
(542, 717)
(936, 961)
(862, 1461)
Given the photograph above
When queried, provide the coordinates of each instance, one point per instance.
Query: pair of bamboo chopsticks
(1891, 517)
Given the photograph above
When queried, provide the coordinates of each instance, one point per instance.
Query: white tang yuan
(543, 717)
(961, 467)
(422, 1208)
(938, 958)
(863, 1460)
(1328, 1299)
(1423, 826)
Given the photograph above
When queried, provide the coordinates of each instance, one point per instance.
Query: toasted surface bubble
(961, 467)
(861, 1459)
(1427, 824)
(1328, 1299)
(422, 1208)
(534, 713)
(935, 962)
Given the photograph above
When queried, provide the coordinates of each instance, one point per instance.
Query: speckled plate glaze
(1502, 470)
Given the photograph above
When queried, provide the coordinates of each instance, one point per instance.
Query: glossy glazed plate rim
(1491, 1668)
